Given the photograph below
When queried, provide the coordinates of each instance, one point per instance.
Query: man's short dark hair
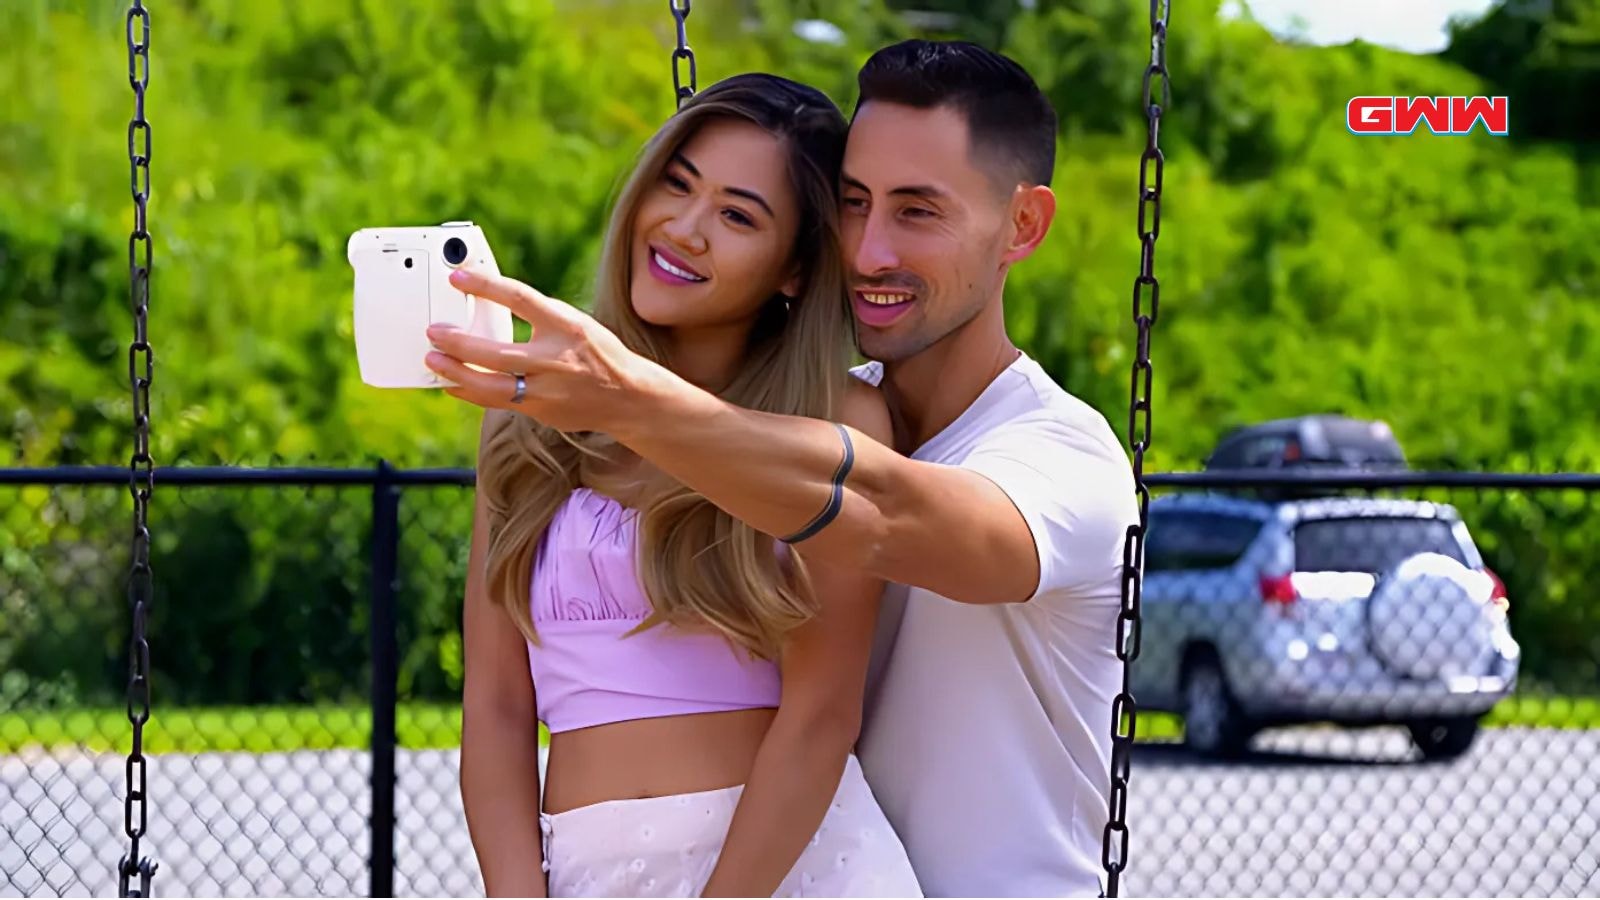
(1012, 124)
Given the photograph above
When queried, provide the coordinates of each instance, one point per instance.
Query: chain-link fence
(1371, 691)
(305, 651)
(1386, 690)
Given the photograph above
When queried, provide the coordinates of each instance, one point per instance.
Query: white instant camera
(402, 284)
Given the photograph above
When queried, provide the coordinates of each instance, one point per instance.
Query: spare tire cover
(1430, 617)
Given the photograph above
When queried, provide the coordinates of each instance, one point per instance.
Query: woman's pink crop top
(586, 596)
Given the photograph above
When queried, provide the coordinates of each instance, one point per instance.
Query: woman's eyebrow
(751, 196)
(746, 193)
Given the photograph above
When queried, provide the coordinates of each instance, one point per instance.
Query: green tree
(1545, 55)
(1445, 285)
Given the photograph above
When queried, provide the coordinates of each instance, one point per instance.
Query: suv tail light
(1497, 595)
(1278, 589)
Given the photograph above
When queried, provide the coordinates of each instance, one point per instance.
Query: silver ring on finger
(521, 392)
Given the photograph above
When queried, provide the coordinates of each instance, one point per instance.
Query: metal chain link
(680, 12)
(141, 474)
(1123, 709)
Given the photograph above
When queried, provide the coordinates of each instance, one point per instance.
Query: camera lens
(455, 251)
(408, 262)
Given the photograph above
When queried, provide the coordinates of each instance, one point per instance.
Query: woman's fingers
(479, 351)
(523, 300)
(487, 389)
(580, 368)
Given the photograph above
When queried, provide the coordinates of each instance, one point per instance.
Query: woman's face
(713, 236)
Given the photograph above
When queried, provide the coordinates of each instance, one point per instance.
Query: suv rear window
(1196, 540)
(1372, 545)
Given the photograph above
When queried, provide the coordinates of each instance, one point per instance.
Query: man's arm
(943, 528)
(954, 530)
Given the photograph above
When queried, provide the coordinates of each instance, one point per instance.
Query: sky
(1417, 26)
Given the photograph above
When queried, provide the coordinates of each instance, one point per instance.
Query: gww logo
(1442, 115)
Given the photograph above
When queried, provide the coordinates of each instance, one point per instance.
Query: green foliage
(1442, 284)
(1546, 55)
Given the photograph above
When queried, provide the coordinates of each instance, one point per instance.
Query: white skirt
(667, 847)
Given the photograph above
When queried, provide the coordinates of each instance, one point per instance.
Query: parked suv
(1262, 611)
(1322, 441)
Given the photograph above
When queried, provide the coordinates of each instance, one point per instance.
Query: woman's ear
(794, 286)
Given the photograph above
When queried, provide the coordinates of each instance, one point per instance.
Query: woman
(702, 684)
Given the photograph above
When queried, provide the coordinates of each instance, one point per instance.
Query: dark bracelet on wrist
(836, 500)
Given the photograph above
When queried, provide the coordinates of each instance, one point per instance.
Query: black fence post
(385, 673)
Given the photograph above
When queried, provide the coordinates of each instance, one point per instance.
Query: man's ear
(1033, 209)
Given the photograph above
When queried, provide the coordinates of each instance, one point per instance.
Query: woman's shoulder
(865, 409)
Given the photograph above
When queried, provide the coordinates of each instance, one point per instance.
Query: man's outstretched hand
(579, 376)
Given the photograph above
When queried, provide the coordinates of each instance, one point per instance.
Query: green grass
(1546, 712)
(1158, 726)
(1519, 711)
(438, 725)
(250, 729)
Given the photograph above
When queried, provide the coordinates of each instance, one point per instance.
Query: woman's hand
(573, 374)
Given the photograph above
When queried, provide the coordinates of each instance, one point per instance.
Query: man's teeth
(885, 299)
(677, 271)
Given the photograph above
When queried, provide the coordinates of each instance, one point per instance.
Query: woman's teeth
(681, 273)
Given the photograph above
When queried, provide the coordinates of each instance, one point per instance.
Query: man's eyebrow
(746, 193)
(924, 191)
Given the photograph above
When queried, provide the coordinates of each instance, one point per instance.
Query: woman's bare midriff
(652, 757)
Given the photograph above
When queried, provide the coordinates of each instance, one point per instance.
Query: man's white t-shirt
(987, 730)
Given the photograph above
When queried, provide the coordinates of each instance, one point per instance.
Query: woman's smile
(672, 269)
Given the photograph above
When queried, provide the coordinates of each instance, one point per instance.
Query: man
(987, 729)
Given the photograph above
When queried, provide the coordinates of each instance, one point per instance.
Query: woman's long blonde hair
(699, 566)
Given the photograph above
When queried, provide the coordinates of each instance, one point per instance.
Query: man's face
(924, 228)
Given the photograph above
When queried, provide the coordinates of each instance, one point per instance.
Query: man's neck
(929, 391)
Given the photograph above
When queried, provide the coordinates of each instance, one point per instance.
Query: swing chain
(141, 371)
(682, 91)
(1123, 708)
